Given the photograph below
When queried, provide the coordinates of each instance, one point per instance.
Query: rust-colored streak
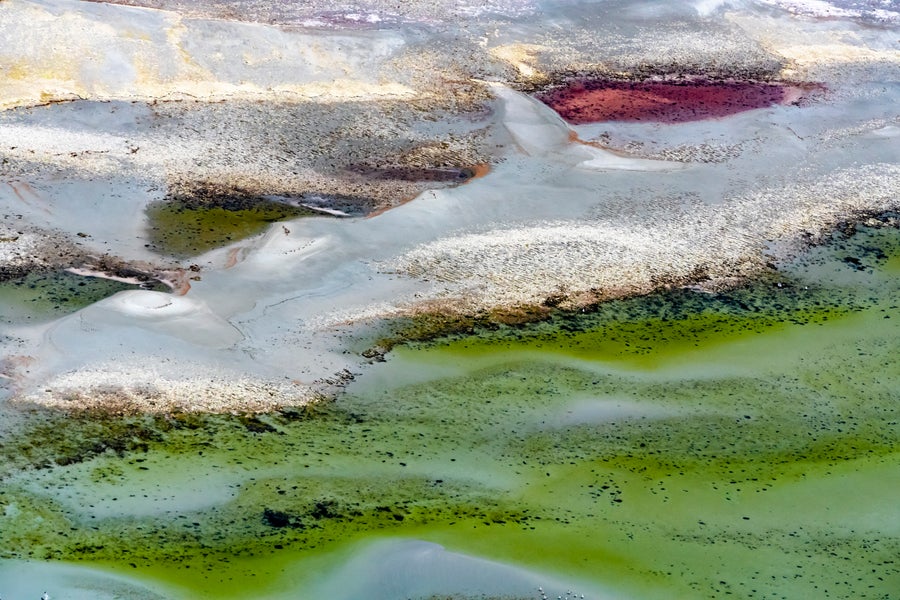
(179, 280)
(21, 189)
(478, 171)
(574, 139)
(232, 258)
(593, 101)
(18, 193)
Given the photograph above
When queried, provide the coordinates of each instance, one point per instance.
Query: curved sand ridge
(600, 259)
(558, 215)
(126, 387)
(657, 243)
(133, 53)
(354, 15)
(619, 250)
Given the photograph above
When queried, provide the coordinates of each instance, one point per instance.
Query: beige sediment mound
(127, 53)
(190, 53)
(370, 154)
(615, 255)
(298, 150)
(595, 47)
(324, 13)
(25, 248)
(179, 101)
(137, 389)
(813, 50)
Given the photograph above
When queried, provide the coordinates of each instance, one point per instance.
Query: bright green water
(676, 446)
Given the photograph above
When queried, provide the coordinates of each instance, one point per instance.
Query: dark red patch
(592, 101)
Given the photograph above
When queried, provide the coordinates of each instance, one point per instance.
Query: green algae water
(683, 445)
(186, 227)
(41, 296)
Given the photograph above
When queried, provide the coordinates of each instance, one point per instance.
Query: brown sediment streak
(232, 258)
(574, 139)
(183, 289)
(184, 286)
(180, 281)
(437, 175)
(384, 209)
(18, 193)
(20, 188)
(88, 272)
(469, 173)
(478, 171)
(665, 102)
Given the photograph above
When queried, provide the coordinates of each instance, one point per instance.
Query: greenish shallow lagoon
(41, 296)
(185, 228)
(682, 445)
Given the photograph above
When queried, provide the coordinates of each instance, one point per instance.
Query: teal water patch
(682, 445)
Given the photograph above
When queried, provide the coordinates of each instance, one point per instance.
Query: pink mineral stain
(592, 101)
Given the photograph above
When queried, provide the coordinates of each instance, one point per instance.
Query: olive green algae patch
(849, 271)
(847, 275)
(188, 226)
(748, 447)
(632, 499)
(44, 295)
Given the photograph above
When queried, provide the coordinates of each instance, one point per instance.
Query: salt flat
(234, 233)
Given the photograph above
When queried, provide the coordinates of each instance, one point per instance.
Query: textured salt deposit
(25, 248)
(127, 387)
(353, 14)
(880, 12)
(605, 258)
(369, 112)
(130, 53)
